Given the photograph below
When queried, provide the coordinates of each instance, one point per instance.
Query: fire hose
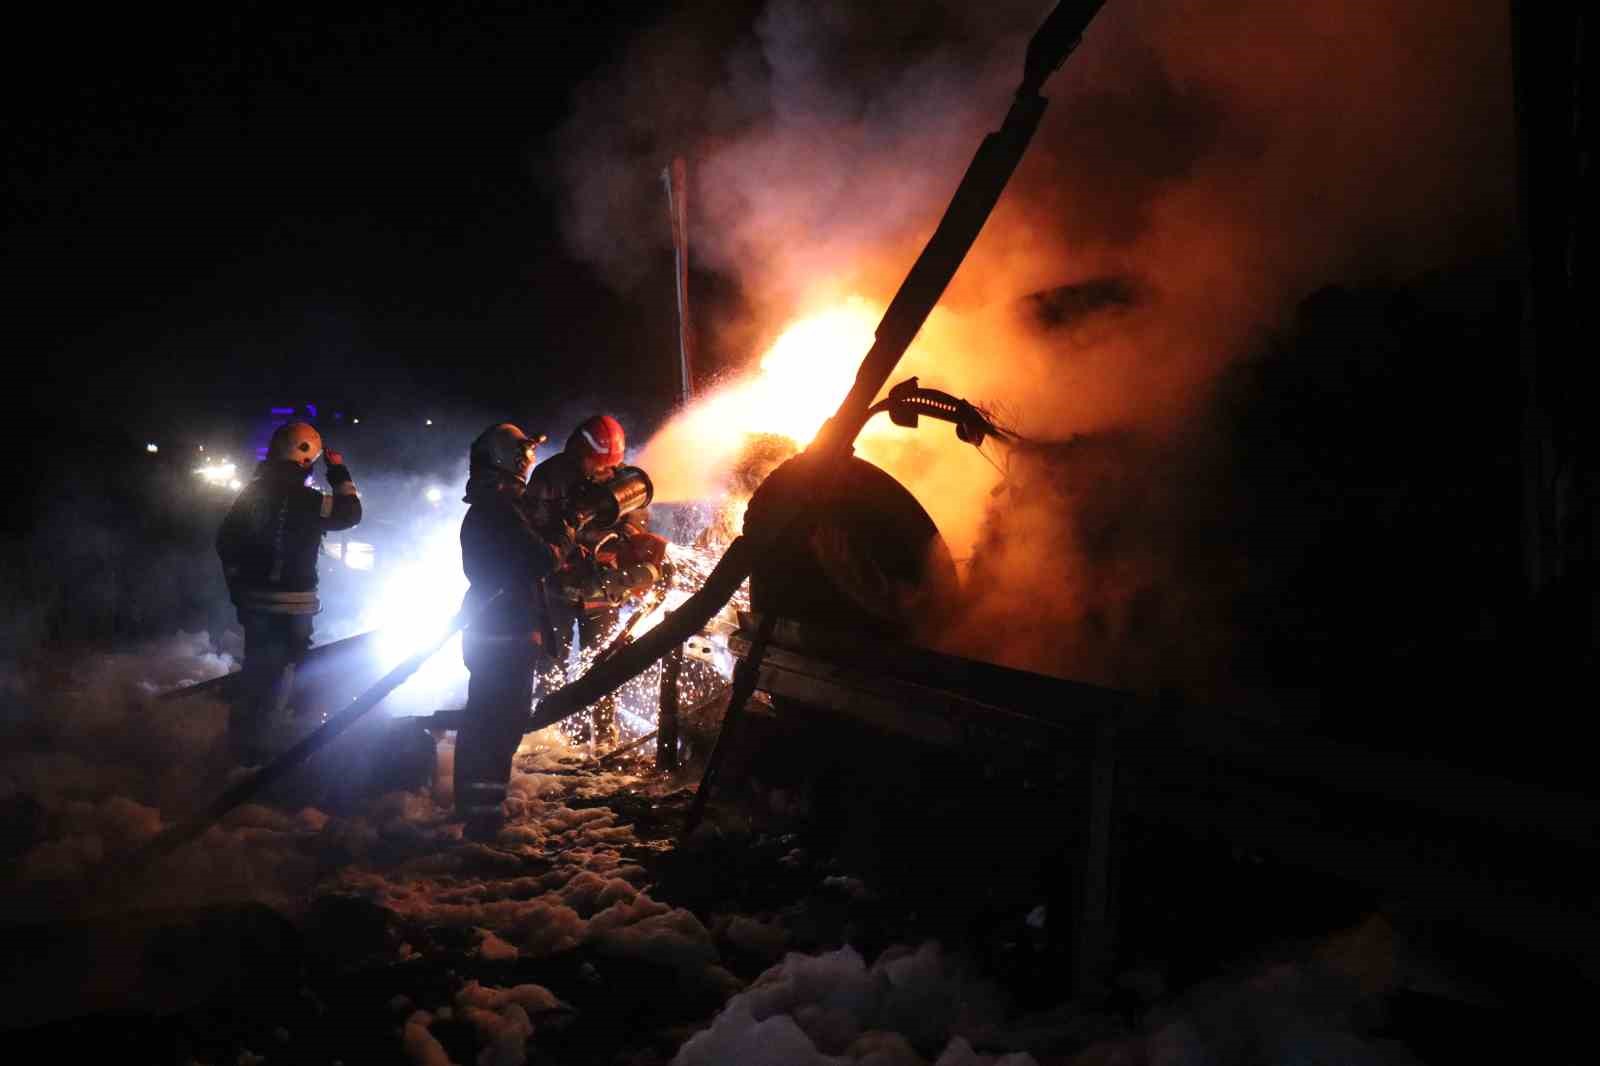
(174, 837)
(986, 177)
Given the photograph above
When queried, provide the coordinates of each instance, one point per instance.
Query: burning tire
(863, 554)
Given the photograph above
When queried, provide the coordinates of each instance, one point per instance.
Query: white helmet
(506, 448)
(297, 442)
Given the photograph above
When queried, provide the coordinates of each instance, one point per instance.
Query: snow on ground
(93, 767)
(834, 1008)
(503, 1020)
(586, 893)
(90, 758)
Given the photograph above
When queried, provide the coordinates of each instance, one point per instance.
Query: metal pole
(667, 718)
(676, 178)
(745, 676)
(1094, 933)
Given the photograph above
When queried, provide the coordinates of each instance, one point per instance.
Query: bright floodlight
(434, 495)
(151, 448)
(236, 484)
(222, 473)
(429, 422)
(358, 555)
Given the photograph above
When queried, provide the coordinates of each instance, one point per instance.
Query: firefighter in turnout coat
(504, 550)
(592, 454)
(268, 544)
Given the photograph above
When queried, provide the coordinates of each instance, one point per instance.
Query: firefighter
(592, 454)
(268, 544)
(504, 549)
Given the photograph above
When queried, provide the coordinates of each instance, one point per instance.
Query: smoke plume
(1201, 169)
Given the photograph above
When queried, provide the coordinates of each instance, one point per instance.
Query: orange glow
(796, 386)
(799, 382)
(808, 370)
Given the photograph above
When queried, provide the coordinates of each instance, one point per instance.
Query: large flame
(796, 385)
(807, 372)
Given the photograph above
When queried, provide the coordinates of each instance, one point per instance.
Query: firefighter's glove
(338, 473)
(562, 539)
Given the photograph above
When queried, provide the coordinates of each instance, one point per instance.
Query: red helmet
(598, 442)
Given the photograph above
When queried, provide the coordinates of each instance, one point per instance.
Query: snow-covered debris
(833, 1008)
(534, 999)
(493, 949)
(421, 1048)
(501, 1019)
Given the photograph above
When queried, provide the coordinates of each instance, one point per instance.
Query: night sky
(218, 209)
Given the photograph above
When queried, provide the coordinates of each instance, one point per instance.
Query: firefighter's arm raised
(342, 509)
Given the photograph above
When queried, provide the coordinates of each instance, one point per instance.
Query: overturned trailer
(1454, 855)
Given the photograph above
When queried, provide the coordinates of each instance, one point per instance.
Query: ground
(847, 900)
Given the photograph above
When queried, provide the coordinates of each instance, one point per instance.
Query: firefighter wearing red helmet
(504, 551)
(593, 453)
(268, 544)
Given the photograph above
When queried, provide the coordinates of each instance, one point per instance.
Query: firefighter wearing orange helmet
(268, 544)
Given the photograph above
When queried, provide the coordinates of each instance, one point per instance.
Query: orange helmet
(297, 442)
(598, 442)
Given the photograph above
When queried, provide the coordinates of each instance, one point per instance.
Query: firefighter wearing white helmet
(506, 449)
(504, 551)
(268, 544)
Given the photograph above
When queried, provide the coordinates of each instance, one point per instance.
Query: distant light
(358, 555)
(199, 447)
(222, 473)
(355, 421)
(151, 447)
(434, 494)
(429, 422)
(236, 484)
